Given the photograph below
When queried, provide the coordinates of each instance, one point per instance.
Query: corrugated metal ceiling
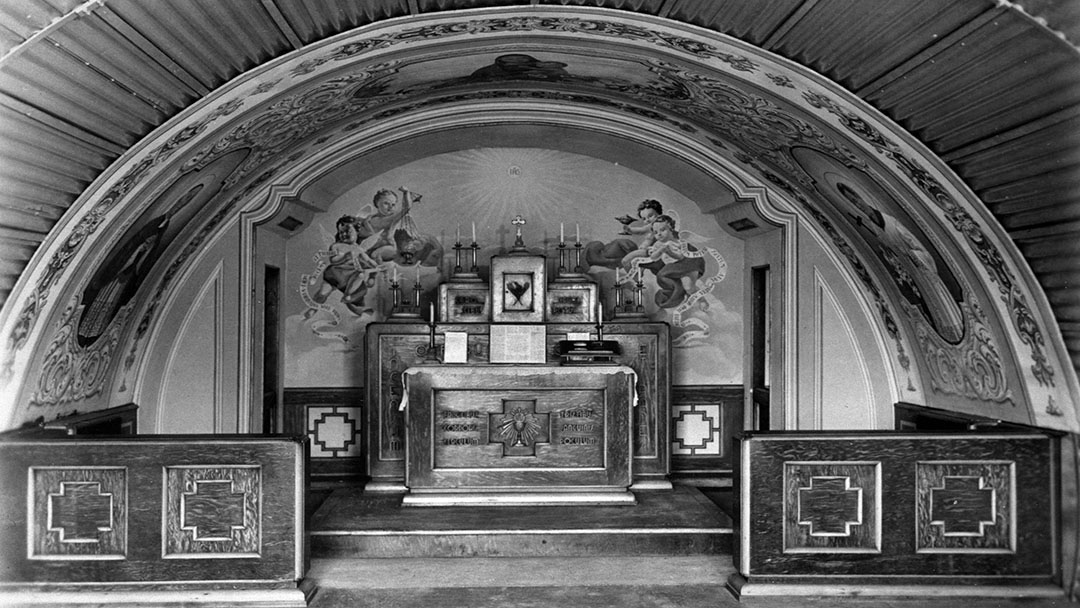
(992, 87)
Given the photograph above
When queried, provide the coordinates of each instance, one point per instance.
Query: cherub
(347, 269)
(381, 221)
(677, 264)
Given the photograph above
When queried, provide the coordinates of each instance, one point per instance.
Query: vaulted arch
(736, 128)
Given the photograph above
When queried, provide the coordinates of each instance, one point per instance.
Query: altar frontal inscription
(529, 429)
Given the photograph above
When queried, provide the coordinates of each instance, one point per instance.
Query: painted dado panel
(152, 511)
(884, 507)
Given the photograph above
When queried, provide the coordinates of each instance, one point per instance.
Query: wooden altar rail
(890, 513)
(161, 519)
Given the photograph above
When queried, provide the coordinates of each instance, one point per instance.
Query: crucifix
(518, 221)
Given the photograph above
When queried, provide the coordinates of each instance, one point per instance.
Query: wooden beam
(151, 50)
(789, 23)
(934, 49)
(62, 127)
(282, 23)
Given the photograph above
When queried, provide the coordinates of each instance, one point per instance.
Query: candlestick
(474, 232)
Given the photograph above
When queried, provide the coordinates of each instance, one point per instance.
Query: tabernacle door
(518, 435)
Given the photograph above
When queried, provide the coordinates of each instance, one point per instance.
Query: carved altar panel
(501, 430)
(394, 347)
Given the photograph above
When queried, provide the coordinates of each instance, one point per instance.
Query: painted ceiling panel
(750, 21)
(26, 17)
(39, 85)
(93, 41)
(26, 132)
(990, 87)
(989, 63)
(174, 34)
(302, 19)
(249, 31)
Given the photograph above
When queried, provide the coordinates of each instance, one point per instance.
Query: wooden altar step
(351, 523)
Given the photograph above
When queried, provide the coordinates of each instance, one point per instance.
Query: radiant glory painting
(402, 225)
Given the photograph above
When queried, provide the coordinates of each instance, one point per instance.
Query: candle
(431, 311)
(458, 234)
(418, 274)
(395, 275)
(600, 314)
(562, 237)
(474, 232)
(577, 233)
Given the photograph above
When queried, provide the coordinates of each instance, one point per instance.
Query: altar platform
(683, 521)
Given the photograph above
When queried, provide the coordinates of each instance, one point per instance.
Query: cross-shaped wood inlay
(518, 427)
(962, 506)
(830, 506)
(79, 511)
(213, 510)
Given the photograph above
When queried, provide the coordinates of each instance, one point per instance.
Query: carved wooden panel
(888, 507)
(512, 427)
(394, 347)
(832, 507)
(212, 511)
(78, 513)
(966, 506)
(152, 512)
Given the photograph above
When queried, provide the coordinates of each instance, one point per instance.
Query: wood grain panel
(78, 513)
(393, 347)
(511, 428)
(971, 507)
(153, 511)
(212, 511)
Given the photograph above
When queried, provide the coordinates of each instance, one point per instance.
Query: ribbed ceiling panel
(750, 21)
(993, 87)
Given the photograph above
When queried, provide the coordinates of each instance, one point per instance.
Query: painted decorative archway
(950, 292)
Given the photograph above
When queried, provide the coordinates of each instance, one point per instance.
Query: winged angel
(676, 258)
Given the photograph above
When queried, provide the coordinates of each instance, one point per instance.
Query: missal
(518, 344)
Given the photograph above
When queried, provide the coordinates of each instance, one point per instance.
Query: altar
(513, 390)
(544, 435)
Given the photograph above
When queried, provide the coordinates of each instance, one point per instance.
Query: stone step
(518, 582)
(352, 523)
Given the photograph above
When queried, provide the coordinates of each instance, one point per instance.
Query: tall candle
(418, 273)
(395, 274)
(474, 232)
(431, 312)
(458, 234)
(600, 314)
(577, 233)
(562, 237)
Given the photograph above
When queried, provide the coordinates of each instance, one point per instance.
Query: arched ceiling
(993, 88)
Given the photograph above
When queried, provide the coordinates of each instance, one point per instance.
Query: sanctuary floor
(671, 550)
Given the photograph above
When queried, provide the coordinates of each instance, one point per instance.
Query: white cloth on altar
(526, 370)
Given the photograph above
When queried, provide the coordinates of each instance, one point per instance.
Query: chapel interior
(524, 303)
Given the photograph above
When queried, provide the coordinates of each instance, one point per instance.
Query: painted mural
(919, 273)
(397, 227)
(129, 262)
